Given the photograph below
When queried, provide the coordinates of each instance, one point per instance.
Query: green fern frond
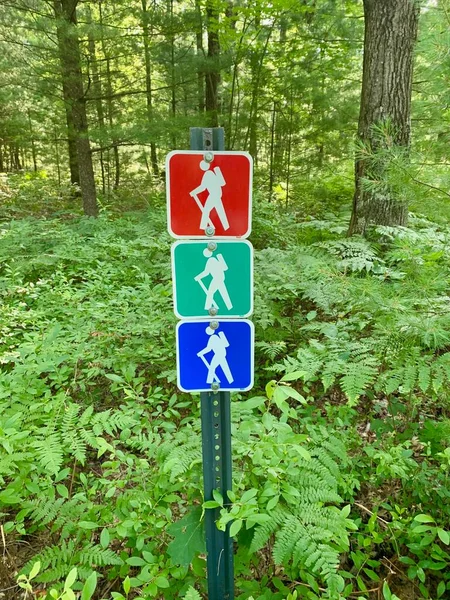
(192, 594)
(358, 376)
(50, 452)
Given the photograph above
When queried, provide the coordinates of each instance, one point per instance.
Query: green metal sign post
(216, 445)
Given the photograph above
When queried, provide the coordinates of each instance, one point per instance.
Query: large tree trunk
(72, 80)
(390, 36)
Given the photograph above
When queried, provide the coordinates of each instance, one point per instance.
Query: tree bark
(148, 83)
(72, 80)
(109, 104)
(212, 78)
(96, 86)
(200, 53)
(389, 39)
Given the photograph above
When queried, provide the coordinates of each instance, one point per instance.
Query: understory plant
(341, 452)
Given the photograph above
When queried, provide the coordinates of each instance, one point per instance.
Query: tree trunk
(200, 58)
(72, 80)
(109, 104)
(96, 86)
(74, 167)
(33, 145)
(212, 78)
(390, 36)
(148, 84)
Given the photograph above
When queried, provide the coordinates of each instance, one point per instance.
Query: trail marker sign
(209, 191)
(215, 275)
(217, 352)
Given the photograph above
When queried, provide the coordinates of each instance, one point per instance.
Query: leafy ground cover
(341, 452)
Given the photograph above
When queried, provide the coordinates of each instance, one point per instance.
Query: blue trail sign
(213, 353)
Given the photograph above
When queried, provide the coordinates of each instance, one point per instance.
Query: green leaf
(386, 591)
(218, 497)
(291, 393)
(189, 538)
(443, 536)
(211, 504)
(162, 582)
(104, 538)
(62, 490)
(424, 519)
(371, 574)
(89, 587)
(441, 589)
(136, 561)
(116, 378)
(236, 527)
(257, 519)
(273, 502)
(270, 388)
(87, 525)
(10, 496)
(34, 570)
(126, 584)
(294, 376)
(248, 495)
(70, 579)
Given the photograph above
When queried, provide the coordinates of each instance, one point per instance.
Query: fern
(182, 458)
(358, 376)
(58, 560)
(50, 452)
(192, 594)
(312, 533)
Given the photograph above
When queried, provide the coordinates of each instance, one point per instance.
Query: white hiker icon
(217, 344)
(213, 182)
(215, 267)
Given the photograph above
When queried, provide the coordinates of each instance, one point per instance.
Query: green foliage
(339, 457)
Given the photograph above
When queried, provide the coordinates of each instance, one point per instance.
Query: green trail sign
(212, 277)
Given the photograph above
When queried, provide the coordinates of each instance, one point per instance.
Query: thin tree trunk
(173, 83)
(16, 158)
(212, 78)
(97, 87)
(33, 145)
(256, 63)
(70, 60)
(289, 147)
(234, 83)
(58, 166)
(272, 150)
(148, 84)
(200, 59)
(390, 36)
(2, 164)
(109, 105)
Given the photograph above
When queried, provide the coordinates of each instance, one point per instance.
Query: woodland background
(342, 450)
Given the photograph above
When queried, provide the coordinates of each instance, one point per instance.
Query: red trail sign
(209, 190)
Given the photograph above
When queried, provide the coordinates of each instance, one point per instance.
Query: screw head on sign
(214, 324)
(212, 311)
(215, 387)
(208, 156)
(212, 246)
(210, 230)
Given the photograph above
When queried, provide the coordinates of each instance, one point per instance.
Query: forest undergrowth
(341, 452)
